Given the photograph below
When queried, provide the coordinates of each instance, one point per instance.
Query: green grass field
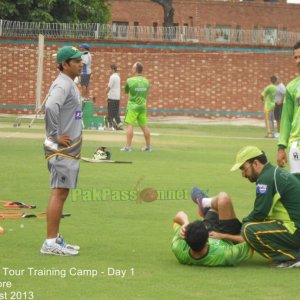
(116, 232)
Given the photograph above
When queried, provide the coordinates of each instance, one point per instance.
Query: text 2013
(17, 295)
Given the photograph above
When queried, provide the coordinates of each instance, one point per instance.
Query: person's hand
(64, 140)
(281, 158)
(216, 235)
(182, 230)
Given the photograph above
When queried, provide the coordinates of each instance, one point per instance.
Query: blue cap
(85, 46)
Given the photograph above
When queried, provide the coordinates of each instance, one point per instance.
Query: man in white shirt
(113, 99)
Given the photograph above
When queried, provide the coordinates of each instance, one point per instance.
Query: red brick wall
(246, 14)
(197, 82)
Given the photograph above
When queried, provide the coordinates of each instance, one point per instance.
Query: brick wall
(207, 12)
(195, 81)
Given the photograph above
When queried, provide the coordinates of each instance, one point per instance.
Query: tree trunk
(168, 11)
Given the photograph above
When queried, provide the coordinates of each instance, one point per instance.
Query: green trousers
(272, 240)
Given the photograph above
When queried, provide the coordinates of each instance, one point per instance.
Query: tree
(168, 11)
(59, 11)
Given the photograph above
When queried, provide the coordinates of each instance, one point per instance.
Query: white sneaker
(290, 263)
(57, 249)
(126, 149)
(60, 241)
(147, 148)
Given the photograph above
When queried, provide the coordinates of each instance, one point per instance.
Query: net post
(39, 72)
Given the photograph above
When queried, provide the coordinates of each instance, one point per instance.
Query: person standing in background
(86, 70)
(268, 96)
(137, 88)
(278, 103)
(113, 99)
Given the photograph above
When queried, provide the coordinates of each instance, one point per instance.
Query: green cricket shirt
(220, 253)
(277, 198)
(269, 94)
(290, 117)
(137, 87)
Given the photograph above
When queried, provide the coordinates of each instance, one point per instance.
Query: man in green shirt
(273, 226)
(137, 88)
(268, 95)
(216, 241)
(290, 123)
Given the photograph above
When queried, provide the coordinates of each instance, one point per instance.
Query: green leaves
(74, 11)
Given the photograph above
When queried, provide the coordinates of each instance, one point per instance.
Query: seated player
(215, 241)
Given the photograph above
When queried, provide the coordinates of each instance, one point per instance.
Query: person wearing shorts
(137, 88)
(62, 145)
(215, 241)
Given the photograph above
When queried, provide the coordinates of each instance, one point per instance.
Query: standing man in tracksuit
(62, 145)
(268, 96)
(113, 102)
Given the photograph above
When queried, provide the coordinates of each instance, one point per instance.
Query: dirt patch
(97, 136)
(165, 120)
(204, 121)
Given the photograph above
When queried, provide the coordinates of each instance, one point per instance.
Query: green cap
(245, 154)
(67, 52)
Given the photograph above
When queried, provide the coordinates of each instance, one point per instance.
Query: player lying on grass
(272, 228)
(215, 241)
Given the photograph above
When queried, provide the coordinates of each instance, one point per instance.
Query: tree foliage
(58, 11)
(168, 11)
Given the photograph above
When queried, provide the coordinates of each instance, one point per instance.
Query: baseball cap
(245, 154)
(67, 52)
(85, 46)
